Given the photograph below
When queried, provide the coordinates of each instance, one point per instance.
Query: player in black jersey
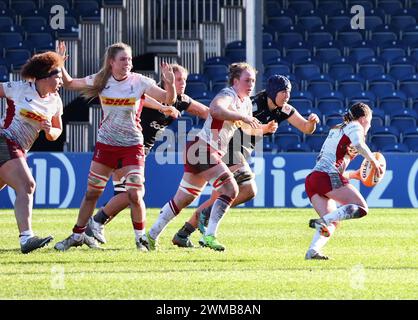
(270, 107)
(152, 123)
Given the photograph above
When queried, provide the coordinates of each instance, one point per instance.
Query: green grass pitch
(375, 257)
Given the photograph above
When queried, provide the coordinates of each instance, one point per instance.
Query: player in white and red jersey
(229, 110)
(120, 139)
(328, 183)
(33, 105)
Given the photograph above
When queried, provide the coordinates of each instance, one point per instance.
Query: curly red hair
(40, 65)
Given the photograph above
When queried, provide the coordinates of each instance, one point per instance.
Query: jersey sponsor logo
(32, 115)
(156, 126)
(28, 100)
(118, 102)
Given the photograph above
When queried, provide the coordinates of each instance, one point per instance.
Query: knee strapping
(243, 177)
(219, 181)
(133, 180)
(97, 181)
(189, 188)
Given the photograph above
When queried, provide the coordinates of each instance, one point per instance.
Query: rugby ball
(368, 173)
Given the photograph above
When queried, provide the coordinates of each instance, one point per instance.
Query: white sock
(25, 235)
(139, 234)
(219, 207)
(167, 213)
(318, 241)
(348, 211)
(77, 236)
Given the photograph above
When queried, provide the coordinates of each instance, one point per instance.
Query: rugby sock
(318, 241)
(139, 229)
(348, 211)
(25, 236)
(101, 217)
(219, 207)
(167, 213)
(186, 230)
(78, 232)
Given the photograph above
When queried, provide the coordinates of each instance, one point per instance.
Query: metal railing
(76, 139)
(114, 24)
(91, 47)
(162, 57)
(170, 20)
(190, 52)
(135, 32)
(212, 35)
(233, 19)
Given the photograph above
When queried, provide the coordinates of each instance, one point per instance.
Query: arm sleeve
(356, 135)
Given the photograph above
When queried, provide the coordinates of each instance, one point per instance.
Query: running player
(153, 123)
(270, 107)
(33, 106)
(328, 183)
(120, 139)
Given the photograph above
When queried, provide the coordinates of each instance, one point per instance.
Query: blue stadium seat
(410, 137)
(34, 24)
(4, 73)
(279, 22)
(390, 6)
(195, 89)
(16, 58)
(87, 10)
(338, 22)
(378, 118)
(349, 37)
(11, 40)
(366, 4)
(328, 51)
(71, 29)
(23, 7)
(360, 53)
(339, 70)
(298, 52)
(213, 70)
(316, 38)
(301, 6)
(409, 86)
(310, 21)
(401, 71)
(307, 71)
(381, 136)
(384, 33)
(330, 6)
(197, 77)
(270, 54)
(351, 85)
(371, 69)
(367, 97)
(336, 97)
(315, 87)
(392, 53)
(396, 147)
(218, 86)
(410, 35)
(6, 23)
(269, 146)
(403, 19)
(392, 101)
(288, 37)
(298, 147)
(64, 3)
(217, 61)
(380, 87)
(276, 69)
(236, 55)
(41, 41)
(404, 119)
(283, 140)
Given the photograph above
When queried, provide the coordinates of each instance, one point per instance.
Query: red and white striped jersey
(335, 154)
(122, 103)
(218, 133)
(26, 110)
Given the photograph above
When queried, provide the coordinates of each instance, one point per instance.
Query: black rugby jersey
(152, 121)
(262, 112)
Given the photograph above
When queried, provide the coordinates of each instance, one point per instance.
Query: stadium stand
(329, 64)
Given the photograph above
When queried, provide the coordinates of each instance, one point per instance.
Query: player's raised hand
(167, 73)
(271, 127)
(170, 111)
(62, 49)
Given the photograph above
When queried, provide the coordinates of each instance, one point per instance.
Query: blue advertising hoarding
(61, 180)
